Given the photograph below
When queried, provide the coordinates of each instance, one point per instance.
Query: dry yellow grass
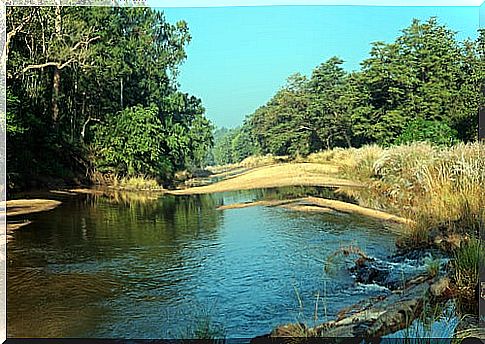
(249, 162)
(279, 175)
(436, 186)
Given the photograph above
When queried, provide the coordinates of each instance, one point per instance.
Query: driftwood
(375, 317)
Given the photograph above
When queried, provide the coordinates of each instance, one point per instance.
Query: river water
(158, 266)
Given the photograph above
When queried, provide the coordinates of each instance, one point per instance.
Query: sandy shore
(323, 205)
(293, 174)
(279, 175)
(28, 206)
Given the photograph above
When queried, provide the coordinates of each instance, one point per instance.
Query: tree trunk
(56, 80)
(56, 85)
(121, 94)
(328, 142)
(349, 143)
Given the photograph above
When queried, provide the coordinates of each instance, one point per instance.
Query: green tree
(421, 75)
(76, 69)
(430, 131)
(129, 144)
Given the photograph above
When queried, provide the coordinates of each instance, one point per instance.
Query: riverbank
(440, 190)
(436, 192)
(433, 194)
(277, 175)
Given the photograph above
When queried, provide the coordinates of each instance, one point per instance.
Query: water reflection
(139, 265)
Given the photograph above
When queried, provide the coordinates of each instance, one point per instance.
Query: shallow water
(140, 266)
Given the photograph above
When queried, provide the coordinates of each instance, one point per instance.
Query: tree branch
(90, 119)
(42, 65)
(47, 64)
(66, 63)
(78, 44)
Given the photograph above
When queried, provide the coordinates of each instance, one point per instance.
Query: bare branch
(65, 64)
(40, 66)
(78, 44)
(90, 119)
(48, 64)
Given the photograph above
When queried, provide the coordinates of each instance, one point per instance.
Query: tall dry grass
(435, 186)
(249, 162)
(441, 188)
(140, 183)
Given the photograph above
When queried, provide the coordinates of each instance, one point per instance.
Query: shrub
(466, 264)
(130, 144)
(429, 131)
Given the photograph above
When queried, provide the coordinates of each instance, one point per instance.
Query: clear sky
(240, 56)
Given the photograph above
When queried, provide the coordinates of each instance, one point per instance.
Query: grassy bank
(138, 183)
(437, 187)
(440, 188)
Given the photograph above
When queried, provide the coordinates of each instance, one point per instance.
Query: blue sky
(240, 56)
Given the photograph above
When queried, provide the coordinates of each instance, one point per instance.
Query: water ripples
(147, 270)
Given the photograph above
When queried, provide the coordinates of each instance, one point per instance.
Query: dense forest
(92, 92)
(424, 86)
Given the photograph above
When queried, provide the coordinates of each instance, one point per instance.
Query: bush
(130, 144)
(421, 130)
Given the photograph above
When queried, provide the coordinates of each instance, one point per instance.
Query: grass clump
(262, 160)
(466, 264)
(203, 327)
(140, 183)
(437, 187)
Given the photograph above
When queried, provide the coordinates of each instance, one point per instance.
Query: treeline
(425, 86)
(93, 91)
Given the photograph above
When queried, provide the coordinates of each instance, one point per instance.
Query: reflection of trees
(291, 192)
(125, 220)
(152, 244)
(43, 304)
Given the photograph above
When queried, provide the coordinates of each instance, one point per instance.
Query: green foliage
(129, 144)
(104, 64)
(423, 86)
(13, 125)
(466, 265)
(429, 131)
(233, 145)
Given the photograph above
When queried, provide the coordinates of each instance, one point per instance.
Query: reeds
(434, 186)
(466, 268)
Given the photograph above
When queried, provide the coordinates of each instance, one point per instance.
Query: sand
(279, 175)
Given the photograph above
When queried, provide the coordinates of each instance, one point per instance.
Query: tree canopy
(95, 89)
(426, 85)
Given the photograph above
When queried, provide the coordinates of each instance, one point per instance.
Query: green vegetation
(92, 96)
(203, 327)
(428, 131)
(466, 268)
(93, 91)
(424, 86)
(233, 145)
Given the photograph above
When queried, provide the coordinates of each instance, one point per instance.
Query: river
(158, 266)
